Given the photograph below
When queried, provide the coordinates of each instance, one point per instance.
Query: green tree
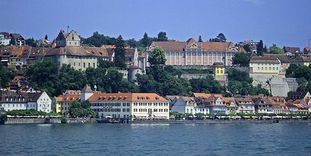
(98, 40)
(247, 48)
(83, 109)
(31, 42)
(275, 50)
(241, 58)
(132, 43)
(240, 83)
(120, 53)
(13, 42)
(105, 64)
(71, 79)
(236, 75)
(157, 57)
(5, 76)
(206, 85)
(146, 41)
(219, 38)
(260, 48)
(43, 76)
(200, 39)
(162, 36)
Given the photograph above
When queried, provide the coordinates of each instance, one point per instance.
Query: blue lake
(144, 139)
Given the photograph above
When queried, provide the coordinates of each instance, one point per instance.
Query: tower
(86, 93)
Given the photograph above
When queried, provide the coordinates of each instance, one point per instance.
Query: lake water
(173, 139)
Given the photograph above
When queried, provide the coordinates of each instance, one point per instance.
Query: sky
(283, 22)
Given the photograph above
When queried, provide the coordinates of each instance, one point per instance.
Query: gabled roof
(68, 97)
(264, 59)
(79, 51)
(205, 95)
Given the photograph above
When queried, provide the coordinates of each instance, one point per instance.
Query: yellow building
(64, 101)
(57, 108)
(219, 69)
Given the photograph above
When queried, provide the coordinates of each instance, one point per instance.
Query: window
(83, 65)
(93, 65)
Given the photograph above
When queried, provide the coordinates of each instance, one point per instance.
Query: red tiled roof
(177, 46)
(133, 97)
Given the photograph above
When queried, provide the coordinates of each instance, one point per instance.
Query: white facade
(130, 105)
(23, 102)
(150, 110)
(265, 67)
(44, 103)
(247, 109)
(78, 62)
(120, 109)
(4, 41)
(67, 39)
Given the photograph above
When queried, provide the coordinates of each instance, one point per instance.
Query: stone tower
(86, 93)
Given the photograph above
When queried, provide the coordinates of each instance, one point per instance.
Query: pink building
(193, 53)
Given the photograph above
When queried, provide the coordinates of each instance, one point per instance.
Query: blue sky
(284, 22)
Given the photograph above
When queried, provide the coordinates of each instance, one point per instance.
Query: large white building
(12, 100)
(129, 105)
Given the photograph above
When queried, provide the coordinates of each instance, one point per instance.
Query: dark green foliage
(105, 64)
(3, 118)
(31, 42)
(5, 76)
(236, 75)
(157, 57)
(303, 75)
(132, 43)
(241, 58)
(13, 42)
(247, 48)
(173, 71)
(260, 48)
(162, 36)
(71, 79)
(200, 39)
(146, 41)
(99, 40)
(47, 76)
(162, 80)
(275, 50)
(29, 112)
(206, 85)
(44, 76)
(78, 109)
(241, 83)
(120, 52)
(299, 71)
(108, 79)
(219, 38)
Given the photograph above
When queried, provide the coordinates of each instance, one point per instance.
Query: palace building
(193, 53)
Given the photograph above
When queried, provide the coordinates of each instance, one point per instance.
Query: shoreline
(18, 121)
